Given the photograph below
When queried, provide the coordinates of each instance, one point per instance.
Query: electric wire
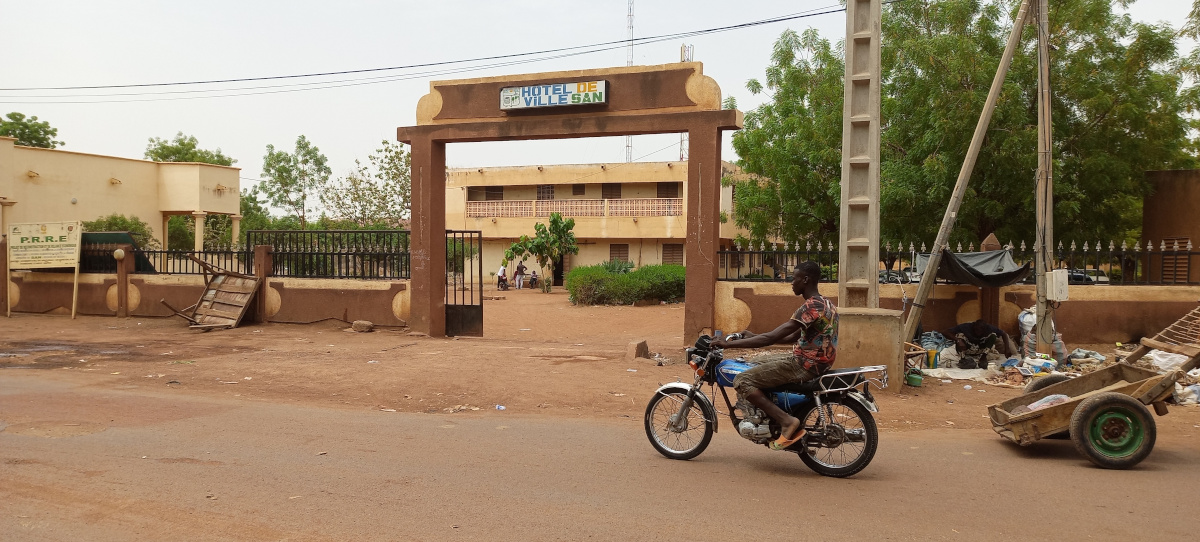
(449, 67)
(618, 43)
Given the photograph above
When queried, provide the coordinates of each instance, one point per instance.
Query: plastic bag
(1049, 401)
(1080, 353)
(1188, 395)
(1040, 364)
(1166, 361)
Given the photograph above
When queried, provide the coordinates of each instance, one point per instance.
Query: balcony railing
(575, 207)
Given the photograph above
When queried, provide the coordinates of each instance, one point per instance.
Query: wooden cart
(1106, 414)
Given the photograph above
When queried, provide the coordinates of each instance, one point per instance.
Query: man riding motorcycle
(813, 329)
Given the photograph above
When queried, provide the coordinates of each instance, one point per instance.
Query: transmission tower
(629, 62)
(686, 52)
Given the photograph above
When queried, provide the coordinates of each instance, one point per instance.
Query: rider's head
(807, 273)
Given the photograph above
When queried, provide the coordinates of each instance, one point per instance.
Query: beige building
(631, 211)
(48, 185)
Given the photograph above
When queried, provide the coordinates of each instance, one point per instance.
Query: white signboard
(38, 246)
(554, 95)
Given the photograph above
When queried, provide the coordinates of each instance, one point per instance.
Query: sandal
(785, 443)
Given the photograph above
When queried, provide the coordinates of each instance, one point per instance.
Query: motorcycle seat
(815, 384)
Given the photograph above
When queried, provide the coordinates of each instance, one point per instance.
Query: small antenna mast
(686, 52)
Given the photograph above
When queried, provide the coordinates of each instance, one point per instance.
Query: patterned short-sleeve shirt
(816, 349)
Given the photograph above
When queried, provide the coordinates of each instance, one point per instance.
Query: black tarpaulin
(991, 269)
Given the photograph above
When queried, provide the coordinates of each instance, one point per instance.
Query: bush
(586, 285)
(597, 285)
(139, 230)
(617, 267)
(662, 282)
(624, 289)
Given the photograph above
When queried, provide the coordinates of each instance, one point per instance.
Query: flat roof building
(623, 211)
(51, 185)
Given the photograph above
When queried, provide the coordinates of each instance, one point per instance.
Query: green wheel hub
(1116, 432)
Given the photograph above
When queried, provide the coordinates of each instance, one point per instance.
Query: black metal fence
(1165, 263)
(351, 254)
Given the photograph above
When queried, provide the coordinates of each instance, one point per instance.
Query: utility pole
(1044, 234)
(964, 175)
(629, 62)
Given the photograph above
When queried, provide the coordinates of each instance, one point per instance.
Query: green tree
(377, 196)
(139, 230)
(184, 148)
(547, 246)
(29, 131)
(1119, 109)
(292, 180)
(793, 143)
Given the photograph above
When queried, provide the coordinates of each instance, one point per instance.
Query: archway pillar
(427, 264)
(703, 230)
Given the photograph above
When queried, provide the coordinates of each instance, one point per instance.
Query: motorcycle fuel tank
(729, 369)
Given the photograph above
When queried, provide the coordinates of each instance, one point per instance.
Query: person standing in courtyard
(519, 275)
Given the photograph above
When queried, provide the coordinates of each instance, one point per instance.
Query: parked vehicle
(1098, 276)
(1077, 276)
(835, 410)
(893, 277)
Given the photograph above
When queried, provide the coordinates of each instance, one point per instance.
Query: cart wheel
(1041, 382)
(1113, 430)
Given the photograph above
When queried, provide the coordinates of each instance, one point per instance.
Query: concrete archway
(637, 100)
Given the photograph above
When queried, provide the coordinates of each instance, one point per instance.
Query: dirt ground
(539, 355)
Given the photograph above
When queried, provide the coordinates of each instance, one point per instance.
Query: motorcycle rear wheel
(851, 428)
(679, 444)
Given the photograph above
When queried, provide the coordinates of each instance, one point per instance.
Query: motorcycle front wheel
(845, 444)
(683, 440)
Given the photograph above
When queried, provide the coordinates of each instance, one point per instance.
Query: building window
(578, 189)
(611, 191)
(493, 193)
(673, 254)
(545, 191)
(668, 190)
(618, 252)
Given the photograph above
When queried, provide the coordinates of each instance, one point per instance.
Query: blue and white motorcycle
(835, 410)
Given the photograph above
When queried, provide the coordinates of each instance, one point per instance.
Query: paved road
(80, 460)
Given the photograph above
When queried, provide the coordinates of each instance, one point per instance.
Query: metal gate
(464, 283)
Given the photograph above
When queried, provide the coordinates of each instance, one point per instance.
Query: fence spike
(808, 245)
(1189, 245)
(1162, 246)
(923, 249)
(1085, 246)
(888, 246)
(1111, 246)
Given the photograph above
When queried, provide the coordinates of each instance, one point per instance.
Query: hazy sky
(77, 43)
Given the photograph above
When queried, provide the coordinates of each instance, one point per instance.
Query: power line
(516, 58)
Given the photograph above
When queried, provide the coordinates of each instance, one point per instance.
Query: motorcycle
(835, 409)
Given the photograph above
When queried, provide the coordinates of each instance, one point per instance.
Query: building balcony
(575, 208)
